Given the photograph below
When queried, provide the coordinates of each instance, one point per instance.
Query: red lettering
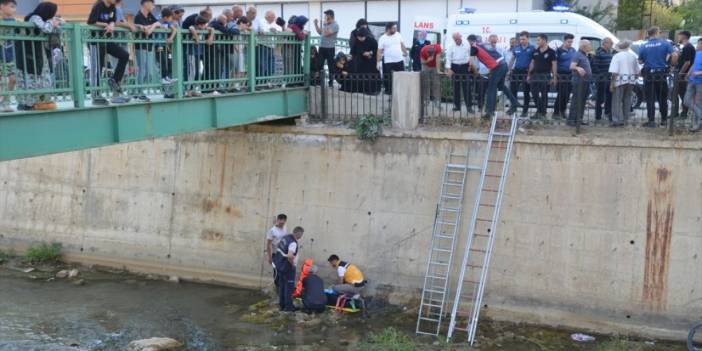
(486, 29)
(424, 25)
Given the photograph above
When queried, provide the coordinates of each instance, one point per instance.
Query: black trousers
(327, 55)
(564, 88)
(656, 89)
(314, 308)
(539, 87)
(165, 62)
(461, 83)
(518, 81)
(286, 287)
(577, 104)
(98, 51)
(604, 96)
(388, 69)
(682, 89)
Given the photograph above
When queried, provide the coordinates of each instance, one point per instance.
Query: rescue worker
(285, 260)
(350, 280)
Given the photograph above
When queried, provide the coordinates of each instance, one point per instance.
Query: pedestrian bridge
(231, 80)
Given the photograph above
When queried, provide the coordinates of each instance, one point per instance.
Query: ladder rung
(451, 196)
(430, 320)
(498, 147)
(432, 305)
(460, 155)
(453, 184)
(502, 134)
(444, 236)
(474, 266)
(478, 250)
(455, 165)
(490, 190)
(471, 282)
(459, 172)
(434, 291)
(494, 175)
(483, 220)
(439, 263)
(446, 223)
(487, 205)
(449, 209)
(496, 161)
(440, 250)
(437, 277)
(485, 235)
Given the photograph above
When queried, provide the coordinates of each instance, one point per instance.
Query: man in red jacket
(489, 56)
(430, 55)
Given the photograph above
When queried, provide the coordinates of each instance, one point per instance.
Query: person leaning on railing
(8, 72)
(693, 95)
(146, 23)
(165, 52)
(103, 15)
(32, 61)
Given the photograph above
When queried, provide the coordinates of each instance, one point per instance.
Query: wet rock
(73, 273)
(154, 344)
(174, 279)
(29, 270)
(79, 282)
(62, 274)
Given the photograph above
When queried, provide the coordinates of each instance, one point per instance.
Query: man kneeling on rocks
(350, 279)
(314, 299)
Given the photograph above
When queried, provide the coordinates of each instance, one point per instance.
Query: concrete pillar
(406, 100)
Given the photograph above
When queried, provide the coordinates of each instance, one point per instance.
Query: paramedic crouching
(285, 260)
(350, 278)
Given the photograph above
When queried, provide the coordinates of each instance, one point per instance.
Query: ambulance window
(595, 42)
(551, 37)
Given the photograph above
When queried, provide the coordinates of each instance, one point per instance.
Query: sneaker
(649, 125)
(216, 93)
(512, 110)
(470, 110)
(524, 114)
(556, 116)
(100, 101)
(114, 86)
(44, 106)
(119, 99)
(143, 98)
(456, 109)
(23, 107)
(487, 116)
(195, 94)
(664, 123)
(169, 96)
(166, 81)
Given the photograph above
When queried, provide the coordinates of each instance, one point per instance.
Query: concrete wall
(599, 233)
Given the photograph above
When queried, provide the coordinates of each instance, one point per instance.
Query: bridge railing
(73, 67)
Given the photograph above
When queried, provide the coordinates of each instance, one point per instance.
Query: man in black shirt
(190, 20)
(687, 56)
(103, 15)
(146, 60)
(542, 72)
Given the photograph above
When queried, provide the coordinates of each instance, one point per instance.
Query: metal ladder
(443, 242)
(481, 232)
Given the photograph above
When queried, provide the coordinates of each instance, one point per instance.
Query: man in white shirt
(458, 68)
(266, 50)
(392, 52)
(624, 69)
(273, 236)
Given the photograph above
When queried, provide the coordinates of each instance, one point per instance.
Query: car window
(595, 42)
(551, 37)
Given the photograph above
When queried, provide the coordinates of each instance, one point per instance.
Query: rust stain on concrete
(233, 211)
(211, 235)
(208, 205)
(659, 230)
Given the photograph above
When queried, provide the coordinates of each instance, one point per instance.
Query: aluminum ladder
(481, 232)
(447, 221)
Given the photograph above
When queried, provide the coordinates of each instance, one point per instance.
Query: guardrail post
(306, 70)
(675, 104)
(323, 93)
(177, 60)
(251, 61)
(582, 100)
(77, 69)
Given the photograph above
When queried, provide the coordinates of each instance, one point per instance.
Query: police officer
(285, 260)
(654, 55)
(519, 65)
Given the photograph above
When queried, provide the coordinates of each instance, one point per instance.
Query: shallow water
(111, 310)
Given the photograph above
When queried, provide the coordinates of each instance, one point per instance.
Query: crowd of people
(283, 252)
(30, 64)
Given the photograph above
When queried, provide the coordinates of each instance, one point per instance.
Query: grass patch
(44, 253)
(389, 339)
(619, 343)
(6, 255)
(369, 127)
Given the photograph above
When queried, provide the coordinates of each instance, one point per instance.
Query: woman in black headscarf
(361, 23)
(364, 54)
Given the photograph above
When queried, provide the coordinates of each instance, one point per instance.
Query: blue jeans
(496, 80)
(693, 100)
(286, 287)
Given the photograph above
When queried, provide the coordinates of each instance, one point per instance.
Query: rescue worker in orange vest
(350, 278)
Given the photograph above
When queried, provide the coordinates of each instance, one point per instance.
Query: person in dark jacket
(314, 299)
(285, 260)
(361, 23)
(417, 44)
(600, 71)
(292, 53)
(32, 61)
(364, 61)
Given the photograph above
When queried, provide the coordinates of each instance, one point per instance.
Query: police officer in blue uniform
(285, 260)
(519, 65)
(654, 55)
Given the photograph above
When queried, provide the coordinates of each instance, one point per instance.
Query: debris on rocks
(174, 279)
(29, 270)
(72, 273)
(79, 282)
(62, 274)
(582, 337)
(154, 344)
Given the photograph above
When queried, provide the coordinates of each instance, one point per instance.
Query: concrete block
(406, 100)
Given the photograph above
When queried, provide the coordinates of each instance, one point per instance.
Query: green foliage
(369, 127)
(389, 339)
(691, 13)
(633, 14)
(44, 253)
(619, 343)
(600, 12)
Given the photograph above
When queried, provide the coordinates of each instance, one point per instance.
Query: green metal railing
(71, 69)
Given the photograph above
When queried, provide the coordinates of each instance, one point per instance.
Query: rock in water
(154, 344)
(62, 274)
(72, 273)
(174, 279)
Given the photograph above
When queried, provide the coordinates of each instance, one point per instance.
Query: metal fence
(81, 65)
(648, 100)
(352, 96)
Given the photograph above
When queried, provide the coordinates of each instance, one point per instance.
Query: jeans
(347, 289)
(388, 69)
(656, 89)
(518, 81)
(577, 103)
(327, 55)
(146, 65)
(496, 81)
(564, 88)
(431, 84)
(539, 86)
(266, 61)
(604, 96)
(460, 79)
(621, 102)
(97, 60)
(286, 287)
(693, 100)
